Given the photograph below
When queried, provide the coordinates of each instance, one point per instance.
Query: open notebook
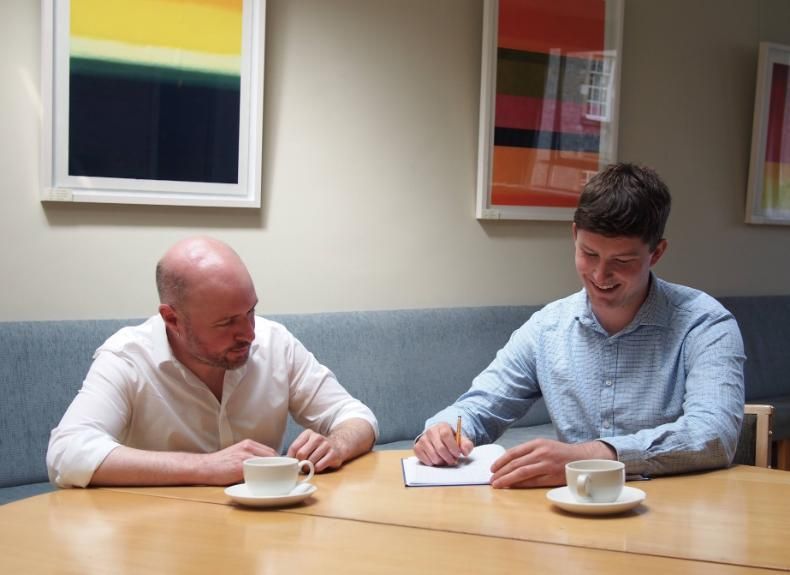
(475, 469)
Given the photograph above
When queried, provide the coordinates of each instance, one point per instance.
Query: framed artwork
(548, 104)
(768, 194)
(152, 101)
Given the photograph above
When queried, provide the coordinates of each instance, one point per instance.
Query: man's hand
(541, 462)
(225, 467)
(437, 446)
(318, 449)
(346, 441)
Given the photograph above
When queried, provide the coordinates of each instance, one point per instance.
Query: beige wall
(369, 167)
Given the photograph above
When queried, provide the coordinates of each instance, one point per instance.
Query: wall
(369, 168)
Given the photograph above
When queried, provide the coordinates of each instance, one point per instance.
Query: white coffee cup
(274, 475)
(595, 480)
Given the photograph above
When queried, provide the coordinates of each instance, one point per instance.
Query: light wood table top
(736, 516)
(105, 531)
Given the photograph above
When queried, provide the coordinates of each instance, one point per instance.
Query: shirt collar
(162, 352)
(655, 309)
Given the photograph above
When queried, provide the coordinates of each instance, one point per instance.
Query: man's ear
(658, 252)
(169, 316)
(573, 231)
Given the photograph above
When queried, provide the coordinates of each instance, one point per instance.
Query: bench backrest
(42, 365)
(765, 326)
(405, 365)
(408, 364)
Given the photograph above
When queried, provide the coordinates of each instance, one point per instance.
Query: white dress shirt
(139, 395)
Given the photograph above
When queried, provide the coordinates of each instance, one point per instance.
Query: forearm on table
(352, 438)
(704, 436)
(499, 396)
(484, 418)
(673, 448)
(128, 466)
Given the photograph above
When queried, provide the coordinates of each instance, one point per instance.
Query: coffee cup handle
(583, 484)
(310, 466)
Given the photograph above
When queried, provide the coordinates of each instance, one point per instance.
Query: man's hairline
(650, 248)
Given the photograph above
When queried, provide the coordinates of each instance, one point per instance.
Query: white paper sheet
(474, 469)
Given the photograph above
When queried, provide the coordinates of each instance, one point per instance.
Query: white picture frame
(242, 189)
(559, 171)
(768, 191)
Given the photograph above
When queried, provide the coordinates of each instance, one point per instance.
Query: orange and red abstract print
(776, 175)
(154, 89)
(554, 95)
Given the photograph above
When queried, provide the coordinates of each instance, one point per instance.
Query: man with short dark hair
(191, 393)
(631, 367)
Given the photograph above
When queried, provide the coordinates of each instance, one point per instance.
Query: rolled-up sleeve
(317, 400)
(92, 425)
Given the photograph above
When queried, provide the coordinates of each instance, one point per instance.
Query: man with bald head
(203, 385)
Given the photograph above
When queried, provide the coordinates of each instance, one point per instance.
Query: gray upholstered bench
(404, 364)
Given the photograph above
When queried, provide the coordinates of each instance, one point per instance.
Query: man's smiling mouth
(607, 287)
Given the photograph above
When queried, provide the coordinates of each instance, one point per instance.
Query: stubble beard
(197, 350)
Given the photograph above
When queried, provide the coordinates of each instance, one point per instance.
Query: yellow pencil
(458, 432)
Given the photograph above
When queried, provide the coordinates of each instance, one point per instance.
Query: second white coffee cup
(266, 476)
(595, 480)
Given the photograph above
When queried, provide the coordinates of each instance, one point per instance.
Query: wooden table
(363, 520)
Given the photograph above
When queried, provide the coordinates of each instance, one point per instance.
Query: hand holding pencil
(442, 445)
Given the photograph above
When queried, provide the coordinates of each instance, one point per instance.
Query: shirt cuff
(79, 461)
(628, 451)
(365, 415)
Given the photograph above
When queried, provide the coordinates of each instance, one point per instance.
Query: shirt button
(608, 382)
(606, 424)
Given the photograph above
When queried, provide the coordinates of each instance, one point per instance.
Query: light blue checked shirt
(666, 392)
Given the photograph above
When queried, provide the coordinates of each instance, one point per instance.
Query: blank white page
(475, 469)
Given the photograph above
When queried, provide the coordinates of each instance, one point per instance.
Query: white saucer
(240, 494)
(629, 498)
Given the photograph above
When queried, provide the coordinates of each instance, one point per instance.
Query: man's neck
(614, 320)
(213, 377)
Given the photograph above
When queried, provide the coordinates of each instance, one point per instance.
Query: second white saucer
(240, 494)
(629, 498)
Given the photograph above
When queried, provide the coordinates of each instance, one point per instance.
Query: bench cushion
(9, 494)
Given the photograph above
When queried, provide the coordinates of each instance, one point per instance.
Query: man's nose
(247, 329)
(602, 271)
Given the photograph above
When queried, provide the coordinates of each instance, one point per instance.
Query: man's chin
(235, 360)
(603, 297)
